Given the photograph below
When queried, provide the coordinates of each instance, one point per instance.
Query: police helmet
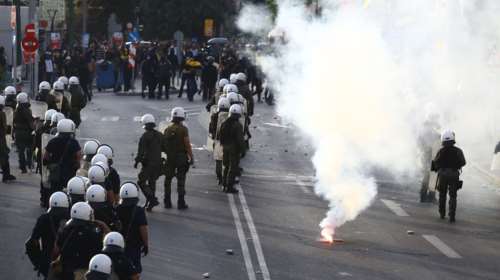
(148, 118)
(58, 86)
(44, 86)
(97, 174)
(22, 97)
(105, 150)
(103, 165)
(233, 98)
(113, 240)
(56, 118)
(100, 263)
(66, 126)
(58, 199)
(98, 158)
(223, 103)
(233, 78)
(447, 135)
(241, 77)
(64, 80)
(10, 90)
(95, 193)
(178, 112)
(129, 193)
(90, 147)
(48, 114)
(82, 211)
(74, 80)
(223, 83)
(235, 110)
(76, 185)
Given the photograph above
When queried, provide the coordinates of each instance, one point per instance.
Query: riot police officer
(103, 209)
(62, 155)
(43, 92)
(78, 100)
(448, 163)
(23, 129)
(99, 268)
(114, 248)
(149, 156)
(214, 129)
(134, 224)
(76, 189)
(89, 150)
(4, 149)
(46, 229)
(113, 179)
(79, 240)
(233, 143)
(10, 97)
(54, 121)
(177, 146)
(62, 104)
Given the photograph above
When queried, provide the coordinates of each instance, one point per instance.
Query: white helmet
(44, 86)
(64, 80)
(22, 97)
(97, 174)
(235, 109)
(100, 263)
(114, 239)
(90, 147)
(98, 158)
(223, 103)
(233, 98)
(103, 165)
(129, 190)
(241, 77)
(76, 185)
(223, 83)
(96, 193)
(233, 78)
(147, 118)
(74, 80)
(56, 118)
(447, 135)
(49, 113)
(86, 180)
(178, 112)
(231, 88)
(82, 211)
(2, 100)
(58, 199)
(66, 126)
(58, 85)
(10, 90)
(105, 150)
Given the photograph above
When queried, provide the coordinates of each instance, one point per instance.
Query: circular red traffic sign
(30, 44)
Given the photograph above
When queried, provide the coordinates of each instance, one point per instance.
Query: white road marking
(110, 119)
(193, 114)
(441, 246)
(303, 186)
(84, 118)
(242, 238)
(137, 118)
(277, 125)
(253, 232)
(396, 208)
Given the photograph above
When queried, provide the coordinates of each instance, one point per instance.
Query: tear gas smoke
(359, 80)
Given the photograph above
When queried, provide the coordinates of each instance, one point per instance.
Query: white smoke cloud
(255, 19)
(359, 81)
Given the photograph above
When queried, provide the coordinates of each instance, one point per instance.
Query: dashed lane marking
(396, 208)
(276, 125)
(255, 237)
(441, 246)
(242, 238)
(110, 119)
(137, 118)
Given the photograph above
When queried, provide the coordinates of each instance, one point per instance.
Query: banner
(209, 27)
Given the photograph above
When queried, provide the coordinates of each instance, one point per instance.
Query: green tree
(162, 18)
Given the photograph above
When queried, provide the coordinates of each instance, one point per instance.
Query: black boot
(152, 203)
(181, 203)
(167, 202)
(231, 189)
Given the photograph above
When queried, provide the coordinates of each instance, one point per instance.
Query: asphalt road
(272, 226)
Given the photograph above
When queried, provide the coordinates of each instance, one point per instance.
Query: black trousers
(448, 187)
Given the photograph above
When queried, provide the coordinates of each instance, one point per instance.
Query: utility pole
(17, 42)
(33, 67)
(69, 22)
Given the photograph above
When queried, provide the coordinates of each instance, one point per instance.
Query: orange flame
(327, 234)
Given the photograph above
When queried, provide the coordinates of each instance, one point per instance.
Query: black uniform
(46, 230)
(448, 162)
(123, 267)
(149, 155)
(4, 150)
(78, 242)
(113, 181)
(208, 79)
(104, 211)
(163, 76)
(63, 150)
(132, 217)
(78, 102)
(39, 131)
(233, 142)
(177, 160)
(23, 129)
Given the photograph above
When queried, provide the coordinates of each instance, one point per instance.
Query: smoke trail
(359, 80)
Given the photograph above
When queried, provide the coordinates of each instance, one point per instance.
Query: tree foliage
(162, 18)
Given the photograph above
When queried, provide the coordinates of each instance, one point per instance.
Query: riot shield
(495, 163)
(38, 109)
(210, 141)
(433, 176)
(9, 114)
(45, 171)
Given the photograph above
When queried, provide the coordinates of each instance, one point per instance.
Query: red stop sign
(30, 44)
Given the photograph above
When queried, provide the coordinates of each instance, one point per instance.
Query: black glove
(191, 161)
(145, 250)
(136, 164)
